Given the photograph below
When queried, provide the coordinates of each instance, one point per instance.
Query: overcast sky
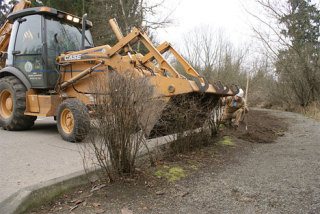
(227, 15)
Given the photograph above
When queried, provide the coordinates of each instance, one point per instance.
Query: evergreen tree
(127, 12)
(298, 64)
(71, 6)
(5, 9)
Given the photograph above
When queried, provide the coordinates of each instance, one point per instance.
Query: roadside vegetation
(292, 43)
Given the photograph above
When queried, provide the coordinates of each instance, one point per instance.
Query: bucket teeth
(220, 88)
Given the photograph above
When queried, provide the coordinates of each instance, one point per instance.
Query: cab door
(28, 50)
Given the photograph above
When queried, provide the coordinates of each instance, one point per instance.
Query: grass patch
(311, 111)
(171, 174)
(194, 167)
(226, 141)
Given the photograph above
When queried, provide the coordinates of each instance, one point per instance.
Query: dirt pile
(262, 127)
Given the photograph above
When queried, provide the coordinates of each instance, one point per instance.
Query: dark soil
(151, 191)
(261, 128)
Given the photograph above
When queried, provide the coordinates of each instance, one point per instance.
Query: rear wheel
(13, 105)
(73, 120)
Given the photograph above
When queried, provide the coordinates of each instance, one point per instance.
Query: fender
(11, 71)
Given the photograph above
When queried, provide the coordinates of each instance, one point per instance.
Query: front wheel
(73, 120)
(13, 105)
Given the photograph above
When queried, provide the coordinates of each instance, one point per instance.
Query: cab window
(28, 39)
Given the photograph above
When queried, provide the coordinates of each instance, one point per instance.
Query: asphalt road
(34, 156)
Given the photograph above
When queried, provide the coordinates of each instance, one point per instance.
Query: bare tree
(202, 47)
(214, 56)
(292, 39)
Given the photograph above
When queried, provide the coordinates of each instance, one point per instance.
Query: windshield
(63, 37)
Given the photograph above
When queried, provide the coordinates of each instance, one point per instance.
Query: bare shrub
(124, 111)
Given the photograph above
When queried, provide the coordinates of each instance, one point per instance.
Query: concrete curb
(38, 194)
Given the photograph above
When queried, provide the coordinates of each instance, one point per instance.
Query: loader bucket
(184, 112)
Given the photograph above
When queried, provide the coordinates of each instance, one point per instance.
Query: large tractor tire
(73, 120)
(13, 105)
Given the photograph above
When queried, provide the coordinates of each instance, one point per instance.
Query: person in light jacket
(235, 109)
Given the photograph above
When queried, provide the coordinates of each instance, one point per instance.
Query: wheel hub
(6, 101)
(67, 121)
(9, 103)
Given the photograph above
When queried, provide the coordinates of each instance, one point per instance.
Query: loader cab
(38, 36)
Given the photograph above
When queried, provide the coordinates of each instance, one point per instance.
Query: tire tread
(18, 121)
(81, 120)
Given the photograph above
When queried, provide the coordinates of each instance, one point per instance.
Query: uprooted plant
(124, 111)
(215, 119)
(190, 120)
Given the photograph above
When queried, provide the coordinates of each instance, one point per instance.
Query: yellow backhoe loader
(48, 60)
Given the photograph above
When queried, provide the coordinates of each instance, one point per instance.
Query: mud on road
(272, 168)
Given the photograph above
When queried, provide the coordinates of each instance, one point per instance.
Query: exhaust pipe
(84, 22)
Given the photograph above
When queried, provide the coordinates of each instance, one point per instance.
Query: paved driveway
(34, 156)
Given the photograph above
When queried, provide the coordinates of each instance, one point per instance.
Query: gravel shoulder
(275, 176)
